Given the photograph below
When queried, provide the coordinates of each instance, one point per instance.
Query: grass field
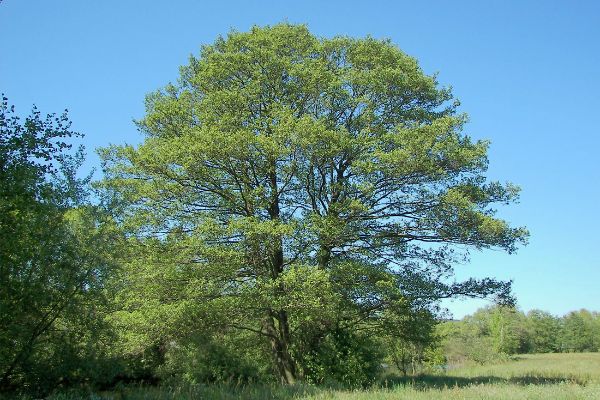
(539, 376)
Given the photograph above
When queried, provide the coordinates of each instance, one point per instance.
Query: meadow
(532, 377)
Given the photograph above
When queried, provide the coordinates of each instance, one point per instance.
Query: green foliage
(505, 326)
(544, 329)
(52, 259)
(342, 357)
(580, 331)
(489, 335)
(493, 333)
(294, 212)
(532, 377)
(289, 185)
(411, 342)
(463, 342)
(200, 359)
(414, 357)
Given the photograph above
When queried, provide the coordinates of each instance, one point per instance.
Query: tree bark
(279, 339)
(323, 256)
(279, 333)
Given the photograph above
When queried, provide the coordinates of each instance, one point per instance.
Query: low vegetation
(532, 377)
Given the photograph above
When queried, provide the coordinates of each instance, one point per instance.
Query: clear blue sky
(527, 73)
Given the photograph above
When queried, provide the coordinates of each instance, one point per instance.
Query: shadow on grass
(425, 382)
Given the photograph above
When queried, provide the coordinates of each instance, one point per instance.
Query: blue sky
(527, 73)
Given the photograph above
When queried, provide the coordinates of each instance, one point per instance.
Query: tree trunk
(323, 256)
(279, 334)
(278, 328)
(279, 338)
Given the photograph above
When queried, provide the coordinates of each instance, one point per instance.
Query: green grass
(532, 377)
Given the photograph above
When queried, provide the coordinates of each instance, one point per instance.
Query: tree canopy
(51, 263)
(300, 187)
(294, 212)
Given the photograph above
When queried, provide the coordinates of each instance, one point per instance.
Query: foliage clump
(52, 258)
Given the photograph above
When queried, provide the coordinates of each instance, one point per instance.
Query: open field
(538, 376)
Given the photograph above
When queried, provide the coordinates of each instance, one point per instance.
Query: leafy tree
(596, 330)
(577, 333)
(51, 268)
(468, 340)
(411, 340)
(544, 331)
(352, 359)
(505, 326)
(299, 186)
(508, 330)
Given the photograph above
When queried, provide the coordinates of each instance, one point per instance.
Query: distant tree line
(495, 331)
(494, 334)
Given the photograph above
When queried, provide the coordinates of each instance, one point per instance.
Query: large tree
(303, 185)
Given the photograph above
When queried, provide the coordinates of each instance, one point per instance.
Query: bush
(204, 359)
(342, 357)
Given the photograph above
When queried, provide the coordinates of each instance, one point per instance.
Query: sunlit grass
(580, 367)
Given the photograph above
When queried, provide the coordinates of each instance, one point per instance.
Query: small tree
(51, 268)
(308, 185)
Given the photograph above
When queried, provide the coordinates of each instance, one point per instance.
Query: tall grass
(532, 377)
